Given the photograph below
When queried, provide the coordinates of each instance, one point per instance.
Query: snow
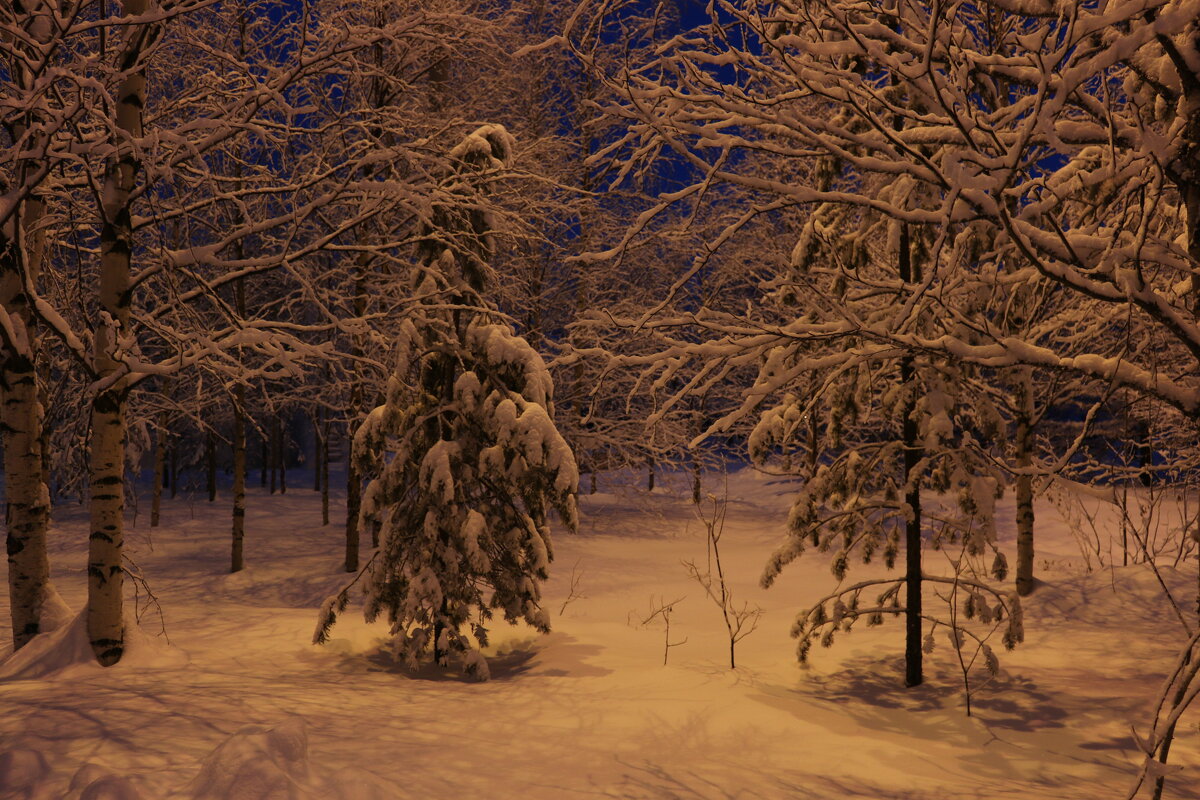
(241, 705)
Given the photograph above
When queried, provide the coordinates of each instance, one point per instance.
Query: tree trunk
(1188, 184)
(696, 487)
(650, 474)
(353, 506)
(353, 478)
(210, 458)
(174, 468)
(236, 560)
(281, 450)
(270, 431)
(324, 465)
(316, 426)
(814, 444)
(105, 623)
(910, 434)
(160, 464)
(1024, 445)
(27, 495)
(266, 458)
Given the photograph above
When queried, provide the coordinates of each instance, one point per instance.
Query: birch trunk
(27, 495)
(105, 622)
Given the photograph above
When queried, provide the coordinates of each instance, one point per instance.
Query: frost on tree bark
(105, 623)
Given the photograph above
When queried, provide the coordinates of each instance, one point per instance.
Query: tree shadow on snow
(554, 655)
(1008, 702)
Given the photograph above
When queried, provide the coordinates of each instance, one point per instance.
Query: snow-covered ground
(241, 706)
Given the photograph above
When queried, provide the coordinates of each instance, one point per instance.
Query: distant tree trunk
(316, 426)
(650, 473)
(210, 458)
(695, 479)
(105, 622)
(266, 457)
(324, 463)
(814, 443)
(1024, 447)
(160, 463)
(353, 478)
(281, 449)
(270, 431)
(175, 468)
(237, 562)
(353, 507)
(910, 434)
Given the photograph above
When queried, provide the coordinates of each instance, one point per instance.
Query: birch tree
(26, 32)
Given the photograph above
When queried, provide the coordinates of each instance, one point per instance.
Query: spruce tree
(463, 457)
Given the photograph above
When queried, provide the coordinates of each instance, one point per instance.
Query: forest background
(918, 254)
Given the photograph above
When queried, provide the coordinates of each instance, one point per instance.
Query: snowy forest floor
(242, 706)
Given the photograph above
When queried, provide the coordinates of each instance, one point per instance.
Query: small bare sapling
(573, 592)
(663, 611)
(740, 621)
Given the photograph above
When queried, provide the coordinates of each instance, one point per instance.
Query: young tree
(465, 460)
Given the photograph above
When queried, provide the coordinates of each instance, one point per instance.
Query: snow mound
(259, 763)
(21, 770)
(67, 651)
(93, 782)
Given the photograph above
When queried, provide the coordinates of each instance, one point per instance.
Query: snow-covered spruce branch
(841, 609)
